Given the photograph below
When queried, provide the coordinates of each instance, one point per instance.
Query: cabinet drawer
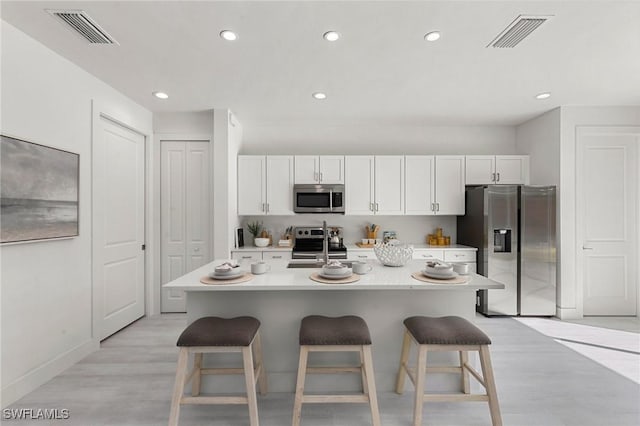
(276, 255)
(246, 255)
(459, 256)
(428, 254)
(361, 255)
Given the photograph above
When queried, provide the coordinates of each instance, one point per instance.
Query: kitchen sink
(312, 264)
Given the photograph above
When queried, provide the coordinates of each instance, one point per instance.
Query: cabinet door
(307, 170)
(512, 169)
(449, 187)
(389, 185)
(480, 169)
(279, 185)
(358, 184)
(331, 169)
(251, 185)
(419, 173)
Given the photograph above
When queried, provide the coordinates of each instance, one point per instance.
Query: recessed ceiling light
(228, 35)
(331, 35)
(432, 36)
(160, 95)
(544, 95)
(319, 95)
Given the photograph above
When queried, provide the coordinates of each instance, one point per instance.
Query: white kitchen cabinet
(434, 185)
(497, 169)
(319, 169)
(358, 184)
(265, 185)
(374, 185)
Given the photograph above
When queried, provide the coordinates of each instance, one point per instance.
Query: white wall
(183, 123)
(367, 138)
(571, 118)
(46, 286)
(410, 229)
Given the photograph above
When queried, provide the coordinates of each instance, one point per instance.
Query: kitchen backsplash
(410, 229)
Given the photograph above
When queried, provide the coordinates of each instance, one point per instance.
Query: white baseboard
(45, 372)
(568, 313)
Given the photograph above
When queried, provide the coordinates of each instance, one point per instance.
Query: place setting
(437, 272)
(227, 273)
(335, 272)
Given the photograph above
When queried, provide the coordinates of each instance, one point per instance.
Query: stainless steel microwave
(310, 198)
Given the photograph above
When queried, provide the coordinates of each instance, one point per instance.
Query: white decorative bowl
(393, 253)
(261, 242)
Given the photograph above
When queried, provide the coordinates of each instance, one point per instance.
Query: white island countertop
(282, 278)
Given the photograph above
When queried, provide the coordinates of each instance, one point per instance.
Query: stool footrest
(197, 400)
(321, 399)
(330, 370)
(454, 397)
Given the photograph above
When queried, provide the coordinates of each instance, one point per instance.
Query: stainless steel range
(309, 242)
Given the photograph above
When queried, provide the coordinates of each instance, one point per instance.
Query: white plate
(347, 274)
(439, 276)
(226, 275)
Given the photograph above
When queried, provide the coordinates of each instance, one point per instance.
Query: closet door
(184, 214)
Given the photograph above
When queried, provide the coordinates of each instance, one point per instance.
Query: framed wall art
(39, 191)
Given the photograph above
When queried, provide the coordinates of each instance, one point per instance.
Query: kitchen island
(283, 296)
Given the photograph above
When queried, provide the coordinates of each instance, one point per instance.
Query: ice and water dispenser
(502, 240)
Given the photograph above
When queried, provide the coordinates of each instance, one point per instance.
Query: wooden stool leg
(464, 359)
(178, 387)
(371, 384)
(487, 374)
(404, 357)
(365, 386)
(252, 401)
(262, 377)
(197, 375)
(421, 371)
(302, 371)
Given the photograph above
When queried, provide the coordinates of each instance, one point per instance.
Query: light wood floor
(540, 383)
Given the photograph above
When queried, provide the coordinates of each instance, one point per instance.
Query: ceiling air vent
(518, 30)
(84, 25)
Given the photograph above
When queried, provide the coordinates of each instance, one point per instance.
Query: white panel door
(607, 219)
(331, 169)
(419, 182)
(279, 185)
(449, 184)
(184, 214)
(358, 184)
(512, 169)
(251, 185)
(389, 184)
(480, 169)
(118, 229)
(307, 169)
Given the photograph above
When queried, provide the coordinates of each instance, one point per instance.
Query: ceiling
(381, 69)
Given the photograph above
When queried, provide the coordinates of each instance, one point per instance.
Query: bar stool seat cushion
(346, 330)
(215, 331)
(445, 331)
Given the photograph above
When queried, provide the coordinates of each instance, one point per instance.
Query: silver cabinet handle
(493, 177)
(426, 255)
(433, 208)
(437, 207)
(263, 207)
(196, 249)
(362, 256)
(587, 248)
(267, 207)
(377, 207)
(498, 174)
(320, 176)
(247, 257)
(276, 257)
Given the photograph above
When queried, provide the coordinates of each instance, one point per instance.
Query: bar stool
(447, 334)
(217, 335)
(342, 334)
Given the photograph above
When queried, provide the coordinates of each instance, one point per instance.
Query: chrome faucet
(325, 243)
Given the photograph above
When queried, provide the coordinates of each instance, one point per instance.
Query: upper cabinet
(319, 169)
(497, 169)
(265, 185)
(434, 185)
(374, 185)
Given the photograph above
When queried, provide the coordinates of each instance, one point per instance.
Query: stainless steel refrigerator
(514, 229)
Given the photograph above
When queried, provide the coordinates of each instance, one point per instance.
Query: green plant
(254, 228)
